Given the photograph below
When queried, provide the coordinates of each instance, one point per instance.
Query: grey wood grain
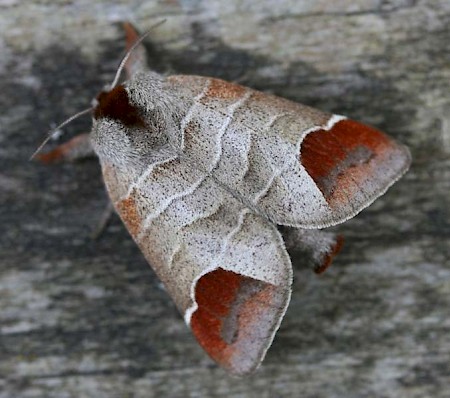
(84, 318)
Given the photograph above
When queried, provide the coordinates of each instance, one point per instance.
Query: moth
(215, 181)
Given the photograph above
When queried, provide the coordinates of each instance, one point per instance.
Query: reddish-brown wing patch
(224, 90)
(342, 160)
(227, 321)
(137, 60)
(131, 34)
(76, 148)
(130, 215)
(328, 258)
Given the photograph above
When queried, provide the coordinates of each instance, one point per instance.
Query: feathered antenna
(124, 60)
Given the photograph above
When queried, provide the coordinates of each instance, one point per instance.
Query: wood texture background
(83, 318)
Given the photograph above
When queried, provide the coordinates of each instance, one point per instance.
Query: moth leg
(79, 147)
(138, 58)
(320, 246)
(103, 221)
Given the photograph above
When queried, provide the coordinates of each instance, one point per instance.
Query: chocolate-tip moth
(215, 181)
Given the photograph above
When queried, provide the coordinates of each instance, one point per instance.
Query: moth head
(127, 130)
(115, 104)
(113, 108)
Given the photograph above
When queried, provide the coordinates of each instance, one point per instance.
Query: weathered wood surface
(83, 318)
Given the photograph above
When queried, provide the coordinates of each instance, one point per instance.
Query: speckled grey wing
(226, 268)
(294, 164)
